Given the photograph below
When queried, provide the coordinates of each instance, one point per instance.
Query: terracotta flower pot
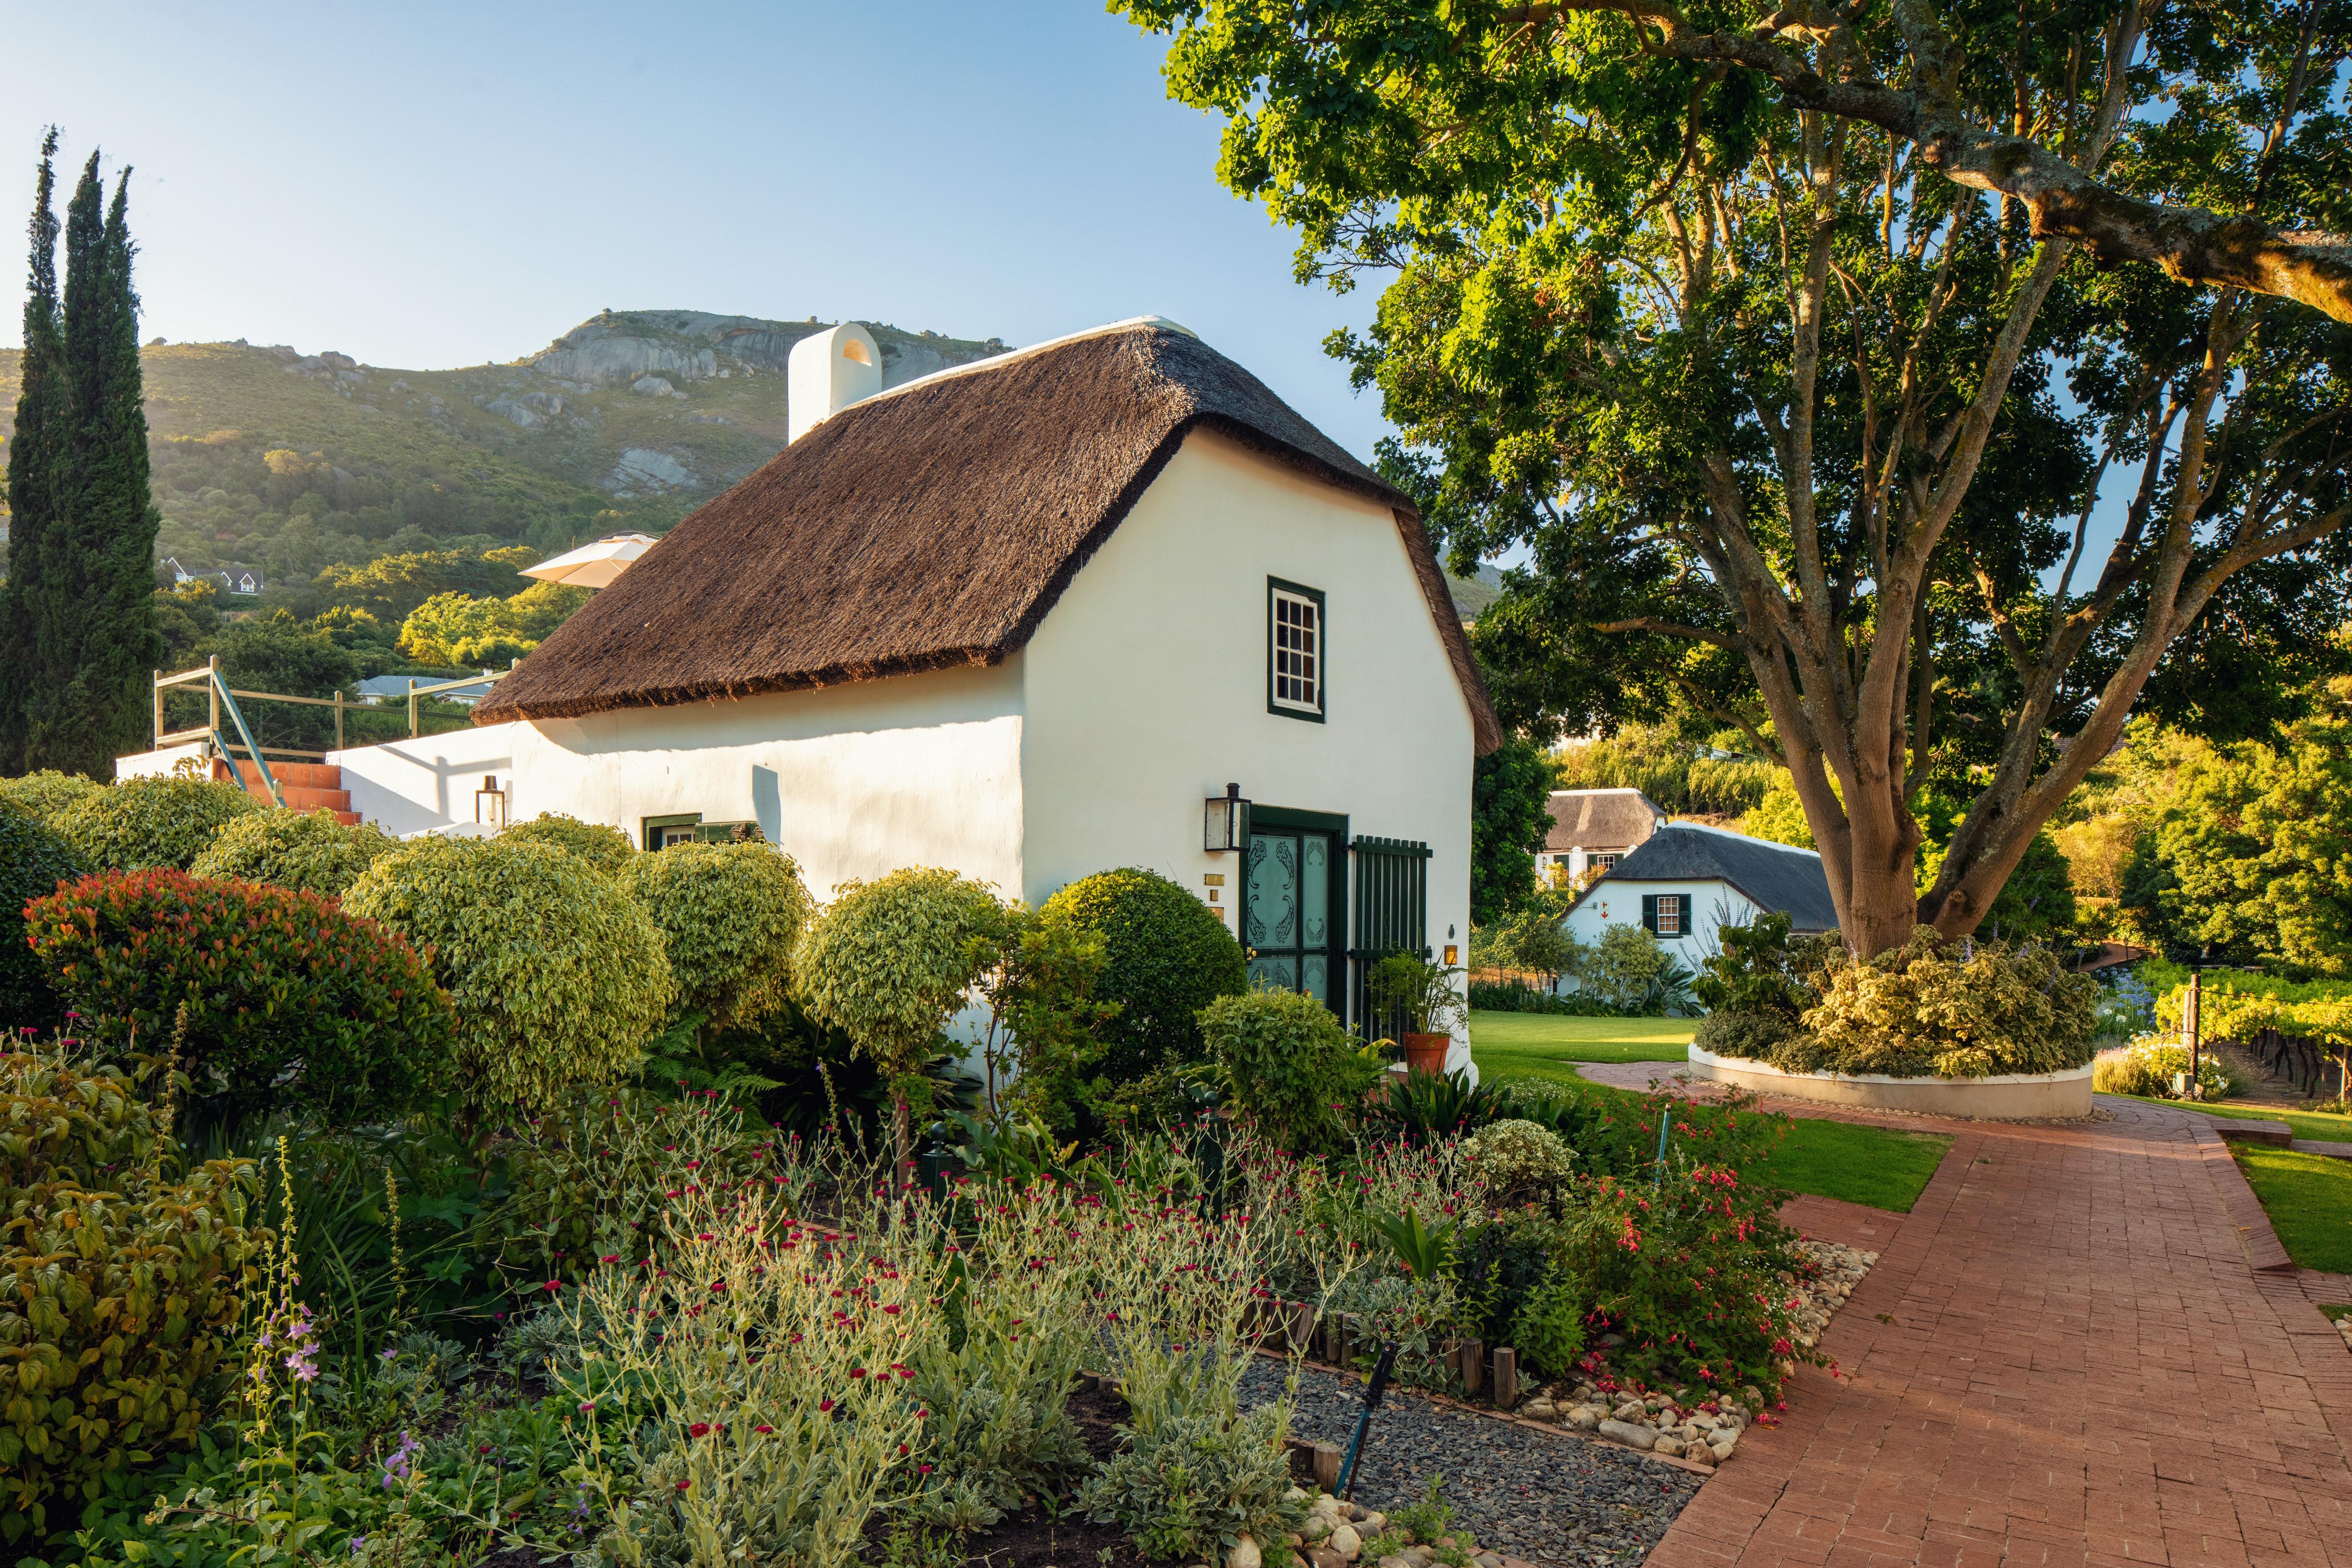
(1426, 1053)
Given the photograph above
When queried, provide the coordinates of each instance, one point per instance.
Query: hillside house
(1027, 618)
(1687, 882)
(1593, 829)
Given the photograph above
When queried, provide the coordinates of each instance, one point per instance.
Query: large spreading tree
(78, 615)
(1916, 386)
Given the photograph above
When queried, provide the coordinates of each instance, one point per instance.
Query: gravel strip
(1549, 1498)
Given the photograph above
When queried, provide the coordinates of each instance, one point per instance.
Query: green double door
(1293, 910)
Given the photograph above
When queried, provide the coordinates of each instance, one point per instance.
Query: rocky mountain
(289, 462)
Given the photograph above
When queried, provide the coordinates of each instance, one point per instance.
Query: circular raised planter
(2007, 1097)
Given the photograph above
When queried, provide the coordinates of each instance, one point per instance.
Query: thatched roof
(1602, 819)
(932, 526)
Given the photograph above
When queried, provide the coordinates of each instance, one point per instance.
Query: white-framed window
(1670, 914)
(1602, 862)
(1295, 650)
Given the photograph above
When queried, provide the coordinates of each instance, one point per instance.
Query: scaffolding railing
(222, 696)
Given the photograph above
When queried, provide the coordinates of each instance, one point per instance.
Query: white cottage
(1024, 619)
(1686, 882)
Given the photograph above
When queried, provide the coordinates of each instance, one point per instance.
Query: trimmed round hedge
(48, 792)
(306, 850)
(33, 861)
(140, 824)
(607, 848)
(292, 1003)
(1168, 957)
(559, 975)
(728, 914)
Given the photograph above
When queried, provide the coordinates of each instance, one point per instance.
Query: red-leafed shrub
(292, 1003)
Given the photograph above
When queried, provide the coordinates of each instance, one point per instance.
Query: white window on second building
(1663, 914)
(1295, 675)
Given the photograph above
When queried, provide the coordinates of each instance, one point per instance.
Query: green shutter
(1650, 912)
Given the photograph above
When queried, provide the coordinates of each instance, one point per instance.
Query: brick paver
(2079, 1348)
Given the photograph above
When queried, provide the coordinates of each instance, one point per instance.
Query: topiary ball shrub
(120, 1291)
(1168, 957)
(48, 792)
(1289, 1067)
(559, 976)
(1516, 1155)
(33, 861)
(292, 1003)
(729, 915)
(607, 848)
(890, 961)
(308, 851)
(140, 824)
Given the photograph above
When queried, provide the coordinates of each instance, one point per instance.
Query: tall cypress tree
(92, 606)
(41, 415)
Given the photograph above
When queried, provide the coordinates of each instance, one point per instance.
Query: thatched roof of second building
(932, 526)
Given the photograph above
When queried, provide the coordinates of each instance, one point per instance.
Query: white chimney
(826, 373)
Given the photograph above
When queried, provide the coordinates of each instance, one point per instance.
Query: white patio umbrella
(594, 565)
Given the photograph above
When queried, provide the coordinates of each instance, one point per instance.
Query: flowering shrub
(1689, 1261)
(33, 861)
(1932, 1007)
(730, 914)
(288, 1000)
(119, 1289)
(608, 849)
(763, 1373)
(558, 976)
(306, 850)
(590, 1180)
(1289, 1067)
(150, 822)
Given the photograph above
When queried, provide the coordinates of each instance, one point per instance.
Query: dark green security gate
(1391, 916)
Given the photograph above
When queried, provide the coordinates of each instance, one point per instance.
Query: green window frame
(660, 831)
(1296, 652)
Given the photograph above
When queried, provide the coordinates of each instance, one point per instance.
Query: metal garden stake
(1372, 1394)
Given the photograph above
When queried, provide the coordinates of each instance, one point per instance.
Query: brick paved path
(2083, 1346)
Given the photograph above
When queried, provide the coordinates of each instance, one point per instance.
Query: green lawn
(2309, 1200)
(1869, 1165)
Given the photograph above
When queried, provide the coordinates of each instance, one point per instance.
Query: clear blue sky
(425, 186)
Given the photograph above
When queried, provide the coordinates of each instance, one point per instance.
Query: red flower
(683, 1485)
(552, 1285)
(764, 1430)
(855, 1372)
(824, 1408)
(699, 1429)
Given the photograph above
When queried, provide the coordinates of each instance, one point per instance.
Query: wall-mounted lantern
(1225, 823)
(490, 804)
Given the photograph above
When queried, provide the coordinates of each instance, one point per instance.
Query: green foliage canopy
(1509, 820)
(730, 916)
(1288, 1066)
(1168, 957)
(33, 861)
(604, 847)
(1709, 318)
(148, 822)
(309, 852)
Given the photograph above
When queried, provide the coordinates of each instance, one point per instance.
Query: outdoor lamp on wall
(490, 804)
(1225, 823)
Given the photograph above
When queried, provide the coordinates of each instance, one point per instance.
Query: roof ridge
(1743, 837)
(1012, 356)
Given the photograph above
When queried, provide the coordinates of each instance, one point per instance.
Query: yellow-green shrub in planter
(559, 976)
(119, 1291)
(730, 914)
(140, 824)
(1931, 1008)
(308, 851)
(607, 848)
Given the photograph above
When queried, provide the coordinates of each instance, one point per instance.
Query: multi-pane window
(1670, 914)
(1295, 650)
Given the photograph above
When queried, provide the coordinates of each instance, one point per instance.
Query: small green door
(1287, 912)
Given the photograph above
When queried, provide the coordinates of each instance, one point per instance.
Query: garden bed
(1529, 1493)
(2003, 1097)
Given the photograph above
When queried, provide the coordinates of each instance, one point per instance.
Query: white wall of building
(1708, 908)
(1146, 688)
(853, 781)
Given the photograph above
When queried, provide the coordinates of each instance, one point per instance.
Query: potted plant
(1418, 996)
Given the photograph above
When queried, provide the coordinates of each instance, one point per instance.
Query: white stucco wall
(853, 781)
(1145, 688)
